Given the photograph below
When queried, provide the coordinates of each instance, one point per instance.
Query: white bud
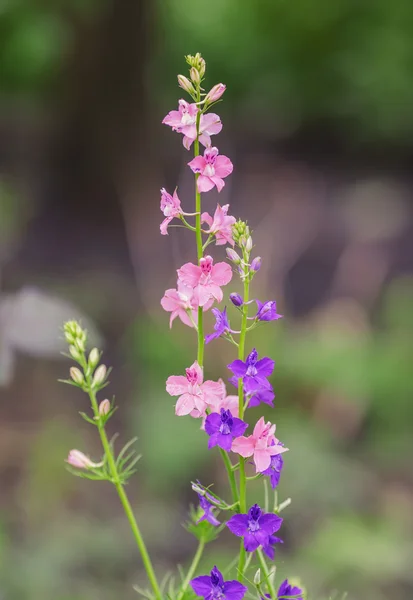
(99, 376)
(248, 244)
(76, 375)
(257, 577)
(94, 357)
(195, 77)
(104, 407)
(233, 256)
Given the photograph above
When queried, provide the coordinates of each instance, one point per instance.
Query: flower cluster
(225, 418)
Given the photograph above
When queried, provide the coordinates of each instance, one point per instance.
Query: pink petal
(212, 392)
(199, 372)
(206, 218)
(183, 315)
(216, 292)
(187, 142)
(176, 385)
(173, 119)
(223, 166)
(262, 459)
(170, 301)
(221, 273)
(259, 428)
(164, 225)
(244, 446)
(203, 294)
(218, 182)
(210, 124)
(185, 405)
(189, 131)
(274, 450)
(205, 140)
(189, 274)
(205, 183)
(197, 164)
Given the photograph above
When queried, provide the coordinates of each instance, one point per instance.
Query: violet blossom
(256, 527)
(267, 311)
(286, 591)
(207, 508)
(223, 428)
(212, 168)
(274, 470)
(221, 325)
(254, 372)
(269, 549)
(213, 587)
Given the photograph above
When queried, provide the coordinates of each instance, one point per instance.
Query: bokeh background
(318, 120)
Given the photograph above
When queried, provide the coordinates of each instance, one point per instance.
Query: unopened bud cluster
(75, 336)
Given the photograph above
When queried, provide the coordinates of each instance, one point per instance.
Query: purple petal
(234, 590)
(212, 336)
(212, 423)
(202, 585)
(269, 551)
(262, 537)
(250, 542)
(238, 367)
(224, 441)
(265, 366)
(213, 440)
(238, 525)
(270, 523)
(238, 427)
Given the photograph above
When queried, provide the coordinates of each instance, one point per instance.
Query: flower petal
(205, 183)
(234, 590)
(244, 446)
(202, 585)
(238, 525)
(185, 404)
(221, 273)
(223, 166)
(176, 385)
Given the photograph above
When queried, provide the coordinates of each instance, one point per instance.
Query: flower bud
(248, 244)
(73, 332)
(256, 264)
(185, 84)
(104, 407)
(257, 577)
(215, 93)
(201, 66)
(76, 375)
(236, 299)
(99, 376)
(195, 77)
(93, 357)
(233, 256)
(240, 232)
(77, 459)
(74, 352)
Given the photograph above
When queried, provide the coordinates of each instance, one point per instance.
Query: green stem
(266, 572)
(124, 499)
(242, 478)
(199, 248)
(231, 475)
(192, 569)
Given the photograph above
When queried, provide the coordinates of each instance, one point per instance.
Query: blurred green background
(318, 120)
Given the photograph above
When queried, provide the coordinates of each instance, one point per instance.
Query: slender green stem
(266, 573)
(124, 499)
(192, 569)
(242, 478)
(231, 475)
(199, 248)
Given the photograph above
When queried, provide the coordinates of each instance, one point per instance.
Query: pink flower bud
(99, 376)
(76, 375)
(104, 407)
(185, 84)
(194, 73)
(256, 264)
(233, 256)
(215, 93)
(77, 459)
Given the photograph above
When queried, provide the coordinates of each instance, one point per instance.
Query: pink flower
(181, 303)
(212, 167)
(206, 279)
(195, 394)
(220, 225)
(77, 459)
(215, 93)
(183, 121)
(171, 208)
(262, 444)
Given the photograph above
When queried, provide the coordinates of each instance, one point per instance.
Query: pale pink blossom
(171, 208)
(183, 121)
(215, 93)
(195, 394)
(206, 279)
(181, 303)
(212, 167)
(77, 459)
(262, 444)
(224, 401)
(220, 225)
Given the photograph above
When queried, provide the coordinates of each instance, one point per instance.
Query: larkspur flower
(256, 527)
(274, 470)
(263, 395)
(213, 587)
(269, 549)
(181, 303)
(206, 279)
(221, 325)
(207, 508)
(262, 445)
(183, 121)
(286, 591)
(194, 393)
(267, 311)
(171, 208)
(212, 168)
(220, 225)
(254, 372)
(223, 428)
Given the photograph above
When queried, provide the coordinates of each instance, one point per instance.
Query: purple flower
(213, 587)
(256, 264)
(207, 508)
(223, 428)
(221, 324)
(267, 311)
(287, 590)
(236, 299)
(255, 527)
(269, 549)
(263, 395)
(254, 372)
(274, 470)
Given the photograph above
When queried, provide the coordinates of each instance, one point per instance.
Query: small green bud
(197, 62)
(240, 232)
(93, 357)
(257, 577)
(74, 353)
(76, 375)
